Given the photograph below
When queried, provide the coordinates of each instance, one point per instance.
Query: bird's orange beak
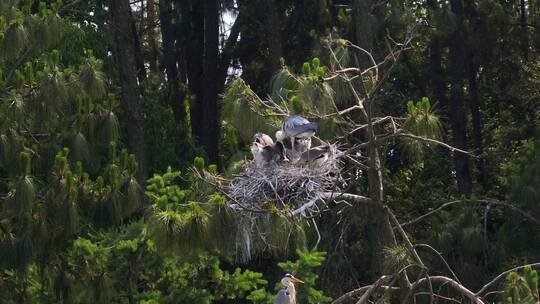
(296, 280)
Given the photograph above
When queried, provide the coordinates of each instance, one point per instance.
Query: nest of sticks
(286, 187)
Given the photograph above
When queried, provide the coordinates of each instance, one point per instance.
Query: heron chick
(315, 157)
(265, 151)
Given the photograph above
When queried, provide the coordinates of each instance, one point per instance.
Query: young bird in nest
(265, 151)
(315, 157)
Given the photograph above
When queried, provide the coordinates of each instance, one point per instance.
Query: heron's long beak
(296, 280)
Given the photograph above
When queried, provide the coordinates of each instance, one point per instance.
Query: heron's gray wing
(307, 129)
(295, 125)
(282, 297)
(294, 121)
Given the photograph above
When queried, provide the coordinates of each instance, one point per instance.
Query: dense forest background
(111, 109)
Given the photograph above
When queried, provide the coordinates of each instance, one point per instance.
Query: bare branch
(483, 201)
(437, 142)
(512, 207)
(302, 209)
(430, 213)
(441, 257)
(457, 286)
(438, 296)
(365, 297)
(500, 276)
(346, 196)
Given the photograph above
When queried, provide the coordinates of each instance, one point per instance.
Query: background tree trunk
(152, 36)
(139, 58)
(457, 109)
(524, 33)
(209, 135)
(175, 95)
(435, 59)
(194, 64)
(273, 30)
(125, 54)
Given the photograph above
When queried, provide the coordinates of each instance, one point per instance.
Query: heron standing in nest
(287, 295)
(300, 130)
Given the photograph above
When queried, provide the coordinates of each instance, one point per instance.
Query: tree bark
(362, 22)
(125, 54)
(139, 60)
(175, 95)
(475, 105)
(273, 31)
(194, 64)
(457, 109)
(226, 55)
(524, 33)
(209, 135)
(437, 82)
(151, 17)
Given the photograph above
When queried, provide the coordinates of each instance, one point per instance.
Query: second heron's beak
(296, 280)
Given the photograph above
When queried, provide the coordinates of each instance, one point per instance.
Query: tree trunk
(472, 68)
(273, 32)
(139, 59)
(437, 81)
(194, 63)
(125, 54)
(457, 109)
(152, 36)
(524, 34)
(476, 121)
(226, 55)
(175, 95)
(209, 136)
(363, 23)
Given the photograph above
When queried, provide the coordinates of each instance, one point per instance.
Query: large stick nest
(284, 186)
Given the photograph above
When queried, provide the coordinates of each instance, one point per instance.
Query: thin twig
(500, 276)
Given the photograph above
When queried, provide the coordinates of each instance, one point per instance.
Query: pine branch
(16, 65)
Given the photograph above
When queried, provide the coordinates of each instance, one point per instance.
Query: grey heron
(287, 295)
(315, 157)
(265, 151)
(297, 127)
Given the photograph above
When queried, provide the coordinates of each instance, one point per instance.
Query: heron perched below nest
(284, 186)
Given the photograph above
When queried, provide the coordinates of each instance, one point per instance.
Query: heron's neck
(292, 292)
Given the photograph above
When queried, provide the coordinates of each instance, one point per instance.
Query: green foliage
(421, 120)
(238, 108)
(181, 223)
(522, 289)
(396, 258)
(76, 227)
